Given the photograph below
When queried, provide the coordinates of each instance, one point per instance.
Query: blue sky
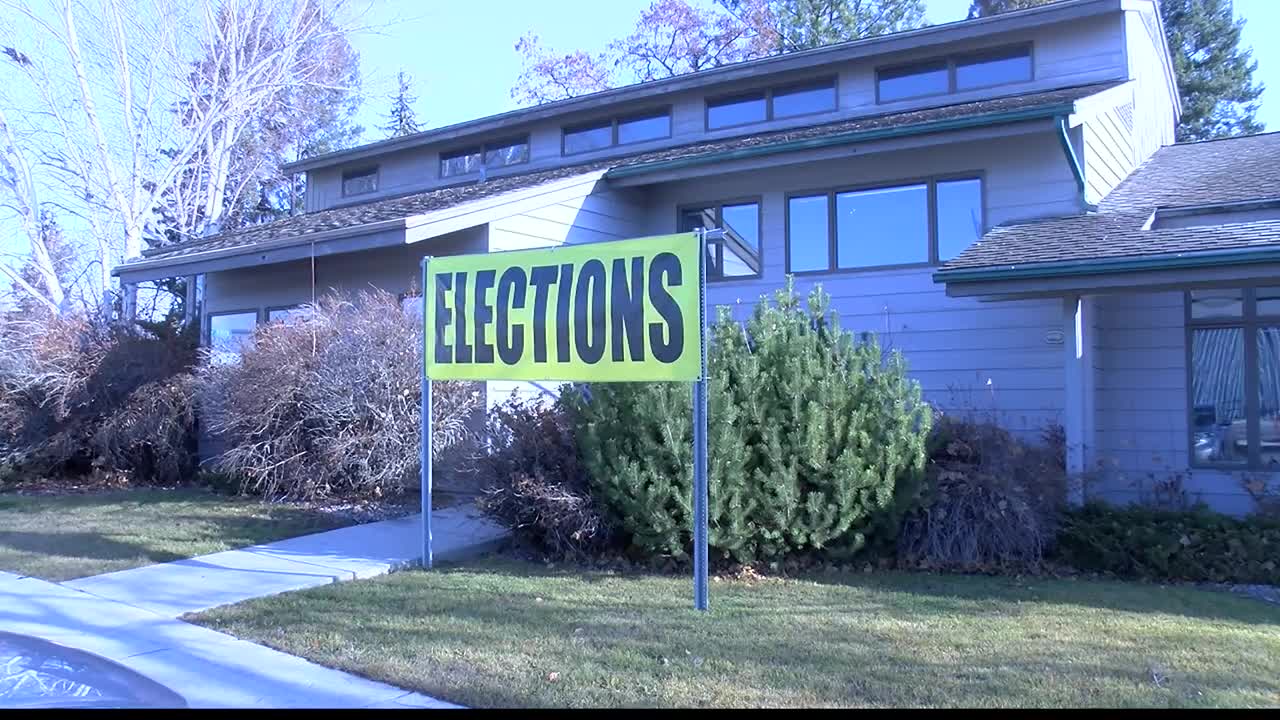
(463, 61)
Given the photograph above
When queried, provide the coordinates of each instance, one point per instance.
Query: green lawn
(503, 633)
(65, 537)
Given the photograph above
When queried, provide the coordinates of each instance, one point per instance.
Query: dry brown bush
(328, 403)
(535, 484)
(994, 500)
(77, 395)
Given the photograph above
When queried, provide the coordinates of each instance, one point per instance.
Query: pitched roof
(1210, 173)
(354, 216)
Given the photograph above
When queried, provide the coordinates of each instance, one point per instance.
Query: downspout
(1073, 160)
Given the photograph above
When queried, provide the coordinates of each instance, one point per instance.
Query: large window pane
(736, 111)
(1269, 393)
(1268, 301)
(886, 226)
(1213, 304)
(959, 216)
(586, 139)
(741, 253)
(805, 99)
(1006, 66)
(459, 163)
(647, 127)
(807, 233)
(509, 152)
(229, 333)
(913, 81)
(1219, 429)
(360, 181)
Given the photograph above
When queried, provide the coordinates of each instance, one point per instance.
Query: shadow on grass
(935, 593)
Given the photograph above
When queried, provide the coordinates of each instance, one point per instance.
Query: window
(286, 314)
(651, 125)
(358, 182)
(459, 162)
(959, 216)
(737, 254)
(644, 127)
(1234, 368)
(737, 110)
(884, 226)
(1000, 66)
(805, 99)
(229, 333)
(586, 139)
(813, 96)
(496, 154)
(913, 81)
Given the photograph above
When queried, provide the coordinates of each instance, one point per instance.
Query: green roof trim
(1111, 266)
(845, 138)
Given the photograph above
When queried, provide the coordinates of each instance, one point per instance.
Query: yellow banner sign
(602, 312)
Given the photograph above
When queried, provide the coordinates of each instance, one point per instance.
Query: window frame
(719, 205)
(207, 334)
(369, 170)
(767, 94)
(1249, 323)
(482, 149)
(931, 184)
(612, 123)
(950, 61)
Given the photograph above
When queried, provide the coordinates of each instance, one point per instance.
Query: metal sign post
(700, 494)
(426, 432)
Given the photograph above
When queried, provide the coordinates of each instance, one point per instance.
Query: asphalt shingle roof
(1193, 174)
(438, 199)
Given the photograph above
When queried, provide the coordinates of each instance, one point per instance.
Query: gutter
(1073, 160)
(1111, 266)
(846, 138)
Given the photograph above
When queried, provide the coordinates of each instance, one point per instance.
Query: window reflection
(736, 111)
(1220, 432)
(1269, 393)
(885, 226)
(959, 216)
(229, 334)
(807, 233)
(1217, 303)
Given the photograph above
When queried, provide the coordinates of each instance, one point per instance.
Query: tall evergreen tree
(984, 8)
(402, 120)
(1214, 74)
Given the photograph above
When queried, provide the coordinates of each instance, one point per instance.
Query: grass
(63, 537)
(505, 633)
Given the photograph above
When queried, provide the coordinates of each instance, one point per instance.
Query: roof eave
(1110, 266)
(883, 44)
(847, 138)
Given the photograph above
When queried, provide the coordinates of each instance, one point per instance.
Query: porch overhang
(1141, 273)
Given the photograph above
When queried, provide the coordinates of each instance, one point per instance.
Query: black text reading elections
(595, 306)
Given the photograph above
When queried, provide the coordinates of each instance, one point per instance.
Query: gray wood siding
(1108, 154)
(1083, 51)
(1153, 115)
(394, 269)
(988, 358)
(1142, 416)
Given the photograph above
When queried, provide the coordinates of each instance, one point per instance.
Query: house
(1000, 199)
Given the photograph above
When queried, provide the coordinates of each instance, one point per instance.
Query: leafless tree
(135, 107)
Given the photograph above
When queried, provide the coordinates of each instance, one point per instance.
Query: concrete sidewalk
(207, 668)
(199, 583)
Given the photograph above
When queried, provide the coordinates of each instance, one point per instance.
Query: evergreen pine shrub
(816, 440)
